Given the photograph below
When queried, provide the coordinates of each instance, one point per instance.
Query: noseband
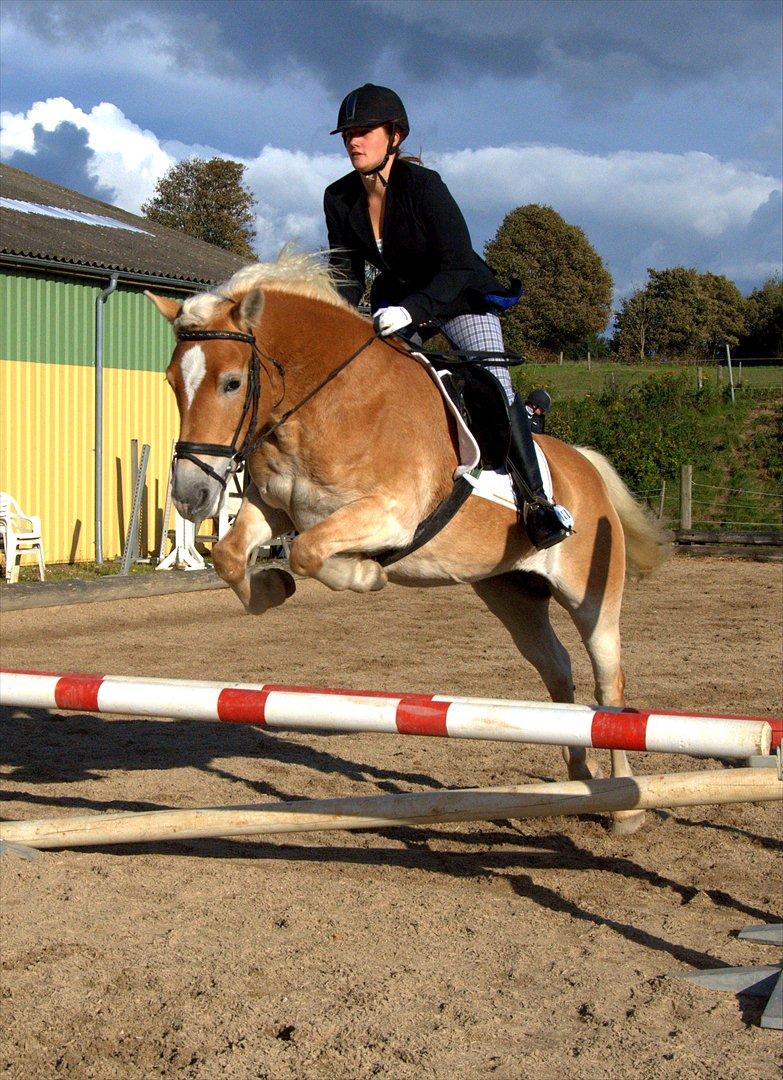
(239, 454)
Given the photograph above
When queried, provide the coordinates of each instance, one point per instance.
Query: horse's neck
(311, 339)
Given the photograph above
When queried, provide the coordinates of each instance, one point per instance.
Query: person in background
(400, 217)
(538, 403)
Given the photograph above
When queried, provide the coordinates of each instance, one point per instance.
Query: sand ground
(528, 949)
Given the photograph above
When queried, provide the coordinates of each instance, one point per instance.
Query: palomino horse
(356, 461)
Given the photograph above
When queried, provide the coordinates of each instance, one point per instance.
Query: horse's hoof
(268, 589)
(625, 822)
(586, 772)
(587, 769)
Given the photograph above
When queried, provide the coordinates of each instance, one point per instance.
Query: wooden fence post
(686, 497)
(731, 373)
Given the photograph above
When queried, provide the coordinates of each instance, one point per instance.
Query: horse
(348, 441)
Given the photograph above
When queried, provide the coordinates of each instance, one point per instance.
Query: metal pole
(99, 302)
(132, 537)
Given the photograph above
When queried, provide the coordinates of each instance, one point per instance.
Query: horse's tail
(646, 545)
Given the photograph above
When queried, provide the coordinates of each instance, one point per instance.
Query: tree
(567, 289)
(725, 311)
(679, 314)
(632, 326)
(764, 332)
(208, 200)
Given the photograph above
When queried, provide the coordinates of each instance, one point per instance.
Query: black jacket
(428, 265)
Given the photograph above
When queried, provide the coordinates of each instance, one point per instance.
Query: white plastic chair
(20, 534)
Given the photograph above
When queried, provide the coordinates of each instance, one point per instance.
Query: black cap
(370, 106)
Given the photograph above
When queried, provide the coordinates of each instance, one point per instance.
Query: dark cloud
(62, 156)
(587, 47)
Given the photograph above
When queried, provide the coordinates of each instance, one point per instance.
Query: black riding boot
(546, 523)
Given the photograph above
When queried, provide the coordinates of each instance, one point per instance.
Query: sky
(654, 125)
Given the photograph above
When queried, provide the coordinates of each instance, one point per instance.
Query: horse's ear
(169, 309)
(251, 309)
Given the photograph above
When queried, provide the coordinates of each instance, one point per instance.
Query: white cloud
(289, 186)
(638, 208)
(692, 191)
(124, 158)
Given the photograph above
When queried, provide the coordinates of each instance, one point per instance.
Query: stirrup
(547, 525)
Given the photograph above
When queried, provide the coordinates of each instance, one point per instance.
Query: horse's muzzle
(195, 494)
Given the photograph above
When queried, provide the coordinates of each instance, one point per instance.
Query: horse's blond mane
(300, 273)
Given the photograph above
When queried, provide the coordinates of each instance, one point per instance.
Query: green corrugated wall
(51, 320)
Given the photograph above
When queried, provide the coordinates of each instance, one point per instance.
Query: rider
(401, 218)
(538, 403)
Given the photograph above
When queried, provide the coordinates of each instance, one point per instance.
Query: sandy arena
(529, 949)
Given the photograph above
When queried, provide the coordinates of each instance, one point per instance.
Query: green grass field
(576, 380)
(734, 449)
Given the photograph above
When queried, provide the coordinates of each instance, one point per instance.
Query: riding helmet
(370, 106)
(539, 399)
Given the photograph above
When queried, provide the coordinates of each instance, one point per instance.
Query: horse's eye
(231, 384)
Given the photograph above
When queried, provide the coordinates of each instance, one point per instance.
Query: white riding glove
(388, 320)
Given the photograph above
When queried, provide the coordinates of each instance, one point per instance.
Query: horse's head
(215, 374)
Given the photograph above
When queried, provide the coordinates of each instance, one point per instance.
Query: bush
(649, 430)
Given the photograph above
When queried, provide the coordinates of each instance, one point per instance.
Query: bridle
(190, 451)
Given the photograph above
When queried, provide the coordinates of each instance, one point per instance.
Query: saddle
(483, 406)
(481, 402)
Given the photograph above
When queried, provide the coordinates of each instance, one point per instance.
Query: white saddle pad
(492, 484)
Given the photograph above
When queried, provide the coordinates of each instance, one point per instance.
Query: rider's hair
(403, 157)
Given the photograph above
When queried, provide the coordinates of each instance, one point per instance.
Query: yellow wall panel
(48, 445)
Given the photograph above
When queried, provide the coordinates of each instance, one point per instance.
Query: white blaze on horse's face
(193, 367)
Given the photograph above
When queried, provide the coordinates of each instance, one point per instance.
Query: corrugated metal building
(58, 254)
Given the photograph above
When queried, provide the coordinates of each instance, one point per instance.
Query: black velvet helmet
(370, 106)
(539, 399)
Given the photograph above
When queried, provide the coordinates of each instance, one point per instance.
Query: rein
(251, 442)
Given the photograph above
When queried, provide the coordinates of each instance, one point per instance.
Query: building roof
(42, 221)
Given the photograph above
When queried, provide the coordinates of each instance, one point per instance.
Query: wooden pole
(560, 360)
(686, 497)
(700, 377)
(415, 808)
(663, 500)
(731, 372)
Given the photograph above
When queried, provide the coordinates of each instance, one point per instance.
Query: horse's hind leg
(597, 618)
(521, 602)
(255, 524)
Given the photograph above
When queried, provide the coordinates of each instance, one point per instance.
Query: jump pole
(277, 707)
(417, 808)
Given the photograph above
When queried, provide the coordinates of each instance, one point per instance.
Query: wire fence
(715, 507)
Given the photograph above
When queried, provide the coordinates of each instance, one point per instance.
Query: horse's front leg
(364, 525)
(255, 524)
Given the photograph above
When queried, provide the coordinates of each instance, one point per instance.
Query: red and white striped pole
(340, 711)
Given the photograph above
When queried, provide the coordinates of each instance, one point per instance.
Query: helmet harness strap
(391, 149)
